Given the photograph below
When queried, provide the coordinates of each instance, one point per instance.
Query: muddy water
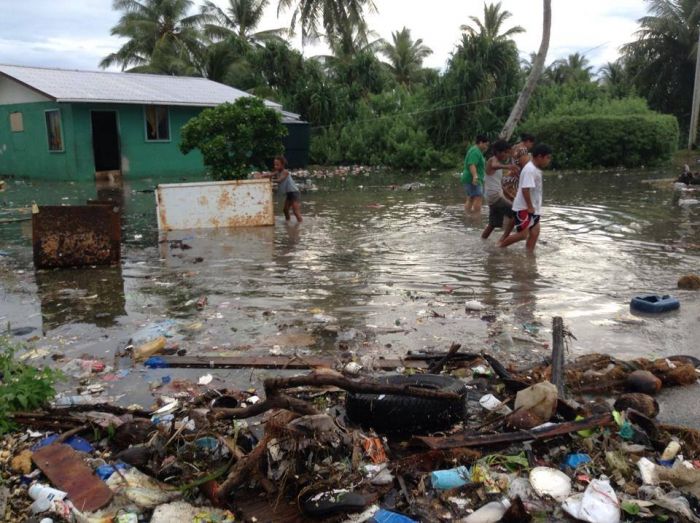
(372, 270)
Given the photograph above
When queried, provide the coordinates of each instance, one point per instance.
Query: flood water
(371, 270)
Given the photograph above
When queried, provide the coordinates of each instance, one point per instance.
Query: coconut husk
(640, 402)
(680, 374)
(643, 381)
(689, 282)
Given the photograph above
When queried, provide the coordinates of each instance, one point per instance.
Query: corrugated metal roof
(127, 88)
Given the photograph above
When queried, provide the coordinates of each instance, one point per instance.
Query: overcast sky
(75, 33)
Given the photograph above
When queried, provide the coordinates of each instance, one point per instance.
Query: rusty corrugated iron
(68, 472)
(208, 205)
(76, 235)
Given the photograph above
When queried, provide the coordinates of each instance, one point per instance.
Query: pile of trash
(467, 440)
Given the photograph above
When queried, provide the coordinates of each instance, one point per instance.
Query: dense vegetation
(373, 102)
(234, 137)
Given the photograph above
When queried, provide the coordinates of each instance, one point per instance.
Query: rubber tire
(663, 304)
(388, 413)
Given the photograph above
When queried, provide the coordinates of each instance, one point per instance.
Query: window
(157, 123)
(16, 122)
(54, 131)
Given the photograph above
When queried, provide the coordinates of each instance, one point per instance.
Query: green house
(79, 125)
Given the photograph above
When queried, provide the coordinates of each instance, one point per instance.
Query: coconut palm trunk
(534, 76)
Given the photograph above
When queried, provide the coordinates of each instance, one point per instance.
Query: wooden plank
(278, 362)
(558, 374)
(484, 440)
(68, 472)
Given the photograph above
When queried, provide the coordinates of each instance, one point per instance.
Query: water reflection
(93, 296)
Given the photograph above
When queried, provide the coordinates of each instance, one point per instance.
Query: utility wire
(422, 111)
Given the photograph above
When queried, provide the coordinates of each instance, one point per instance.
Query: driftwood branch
(558, 374)
(477, 440)
(274, 399)
(244, 470)
(272, 385)
(436, 367)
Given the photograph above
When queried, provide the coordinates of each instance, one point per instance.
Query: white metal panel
(12, 92)
(207, 205)
(129, 88)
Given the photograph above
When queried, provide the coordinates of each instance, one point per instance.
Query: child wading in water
(287, 187)
(527, 205)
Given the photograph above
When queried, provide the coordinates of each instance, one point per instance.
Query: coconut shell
(523, 420)
(690, 282)
(643, 381)
(683, 374)
(640, 402)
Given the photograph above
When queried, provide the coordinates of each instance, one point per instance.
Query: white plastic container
(489, 513)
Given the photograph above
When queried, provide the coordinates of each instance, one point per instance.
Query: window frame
(60, 129)
(20, 120)
(145, 124)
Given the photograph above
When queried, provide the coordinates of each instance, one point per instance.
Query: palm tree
(575, 68)
(662, 59)
(405, 55)
(239, 19)
(533, 77)
(338, 18)
(155, 28)
(490, 28)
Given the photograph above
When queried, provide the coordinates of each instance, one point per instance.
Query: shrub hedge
(600, 140)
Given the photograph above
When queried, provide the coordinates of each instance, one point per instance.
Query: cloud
(76, 33)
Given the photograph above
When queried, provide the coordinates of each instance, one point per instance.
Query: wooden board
(278, 362)
(68, 472)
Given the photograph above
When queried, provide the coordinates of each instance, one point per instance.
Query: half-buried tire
(389, 413)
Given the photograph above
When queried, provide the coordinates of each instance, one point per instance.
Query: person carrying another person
(527, 205)
(521, 156)
(473, 175)
(499, 205)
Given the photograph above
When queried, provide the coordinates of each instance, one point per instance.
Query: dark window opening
(157, 123)
(54, 131)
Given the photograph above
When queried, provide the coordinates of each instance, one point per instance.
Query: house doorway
(105, 143)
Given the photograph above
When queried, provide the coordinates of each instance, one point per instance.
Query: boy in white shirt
(527, 205)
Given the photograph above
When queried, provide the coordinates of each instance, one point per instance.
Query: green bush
(235, 138)
(22, 387)
(600, 140)
(384, 133)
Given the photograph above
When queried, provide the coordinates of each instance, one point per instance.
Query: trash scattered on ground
(460, 437)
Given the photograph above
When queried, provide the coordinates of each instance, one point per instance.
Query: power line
(432, 109)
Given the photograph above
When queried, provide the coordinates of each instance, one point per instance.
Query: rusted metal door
(207, 205)
(76, 235)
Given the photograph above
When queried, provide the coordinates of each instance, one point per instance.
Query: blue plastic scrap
(75, 442)
(575, 460)
(105, 471)
(386, 516)
(449, 479)
(156, 362)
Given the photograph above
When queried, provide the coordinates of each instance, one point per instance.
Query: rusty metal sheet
(67, 471)
(76, 235)
(209, 205)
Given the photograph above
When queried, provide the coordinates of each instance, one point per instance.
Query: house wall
(27, 153)
(140, 158)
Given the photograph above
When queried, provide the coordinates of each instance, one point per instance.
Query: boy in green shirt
(473, 174)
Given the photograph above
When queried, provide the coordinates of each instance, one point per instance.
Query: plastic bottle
(147, 350)
(670, 452)
(451, 478)
(490, 513)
